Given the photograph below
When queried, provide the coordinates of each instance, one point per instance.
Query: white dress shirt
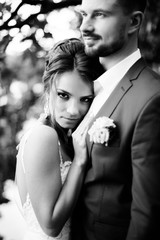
(108, 82)
(111, 78)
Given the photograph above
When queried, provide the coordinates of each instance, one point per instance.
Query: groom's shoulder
(148, 76)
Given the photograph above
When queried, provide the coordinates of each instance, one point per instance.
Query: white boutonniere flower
(100, 130)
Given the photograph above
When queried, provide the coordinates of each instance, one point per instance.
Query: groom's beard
(104, 49)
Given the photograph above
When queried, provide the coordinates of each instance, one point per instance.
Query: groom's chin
(90, 51)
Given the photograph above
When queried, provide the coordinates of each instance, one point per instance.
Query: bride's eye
(63, 95)
(87, 99)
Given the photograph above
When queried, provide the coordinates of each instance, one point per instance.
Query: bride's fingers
(80, 138)
(84, 134)
(83, 130)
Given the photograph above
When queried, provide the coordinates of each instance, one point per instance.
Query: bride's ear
(135, 21)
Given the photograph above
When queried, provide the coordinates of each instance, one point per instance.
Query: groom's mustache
(89, 35)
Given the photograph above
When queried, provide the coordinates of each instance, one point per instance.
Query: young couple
(101, 182)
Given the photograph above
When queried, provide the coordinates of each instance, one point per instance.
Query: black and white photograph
(79, 119)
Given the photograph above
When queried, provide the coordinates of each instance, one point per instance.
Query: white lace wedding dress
(34, 231)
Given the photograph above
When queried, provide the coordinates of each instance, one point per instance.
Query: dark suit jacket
(120, 199)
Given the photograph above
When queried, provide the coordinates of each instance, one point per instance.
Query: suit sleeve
(145, 208)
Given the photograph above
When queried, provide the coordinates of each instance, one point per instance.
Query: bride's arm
(72, 186)
(52, 203)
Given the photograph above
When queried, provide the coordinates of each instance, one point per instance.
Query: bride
(48, 180)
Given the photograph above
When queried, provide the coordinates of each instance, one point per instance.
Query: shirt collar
(117, 72)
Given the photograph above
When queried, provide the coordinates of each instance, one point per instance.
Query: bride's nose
(73, 108)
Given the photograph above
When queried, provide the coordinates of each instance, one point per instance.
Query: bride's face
(72, 99)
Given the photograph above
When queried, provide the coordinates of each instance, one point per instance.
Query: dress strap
(21, 147)
(23, 141)
(60, 154)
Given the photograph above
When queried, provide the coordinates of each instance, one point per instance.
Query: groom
(120, 199)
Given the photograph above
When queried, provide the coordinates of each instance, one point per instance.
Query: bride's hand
(80, 148)
(79, 141)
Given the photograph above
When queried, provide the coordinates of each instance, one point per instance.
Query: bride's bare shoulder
(42, 134)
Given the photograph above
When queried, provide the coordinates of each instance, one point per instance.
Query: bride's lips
(71, 119)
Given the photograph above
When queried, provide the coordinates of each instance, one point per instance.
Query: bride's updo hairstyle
(69, 55)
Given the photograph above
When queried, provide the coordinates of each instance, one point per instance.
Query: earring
(46, 111)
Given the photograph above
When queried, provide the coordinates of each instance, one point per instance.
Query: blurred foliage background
(28, 29)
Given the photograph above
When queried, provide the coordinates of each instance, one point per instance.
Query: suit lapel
(121, 89)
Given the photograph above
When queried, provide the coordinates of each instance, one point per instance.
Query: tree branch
(46, 7)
